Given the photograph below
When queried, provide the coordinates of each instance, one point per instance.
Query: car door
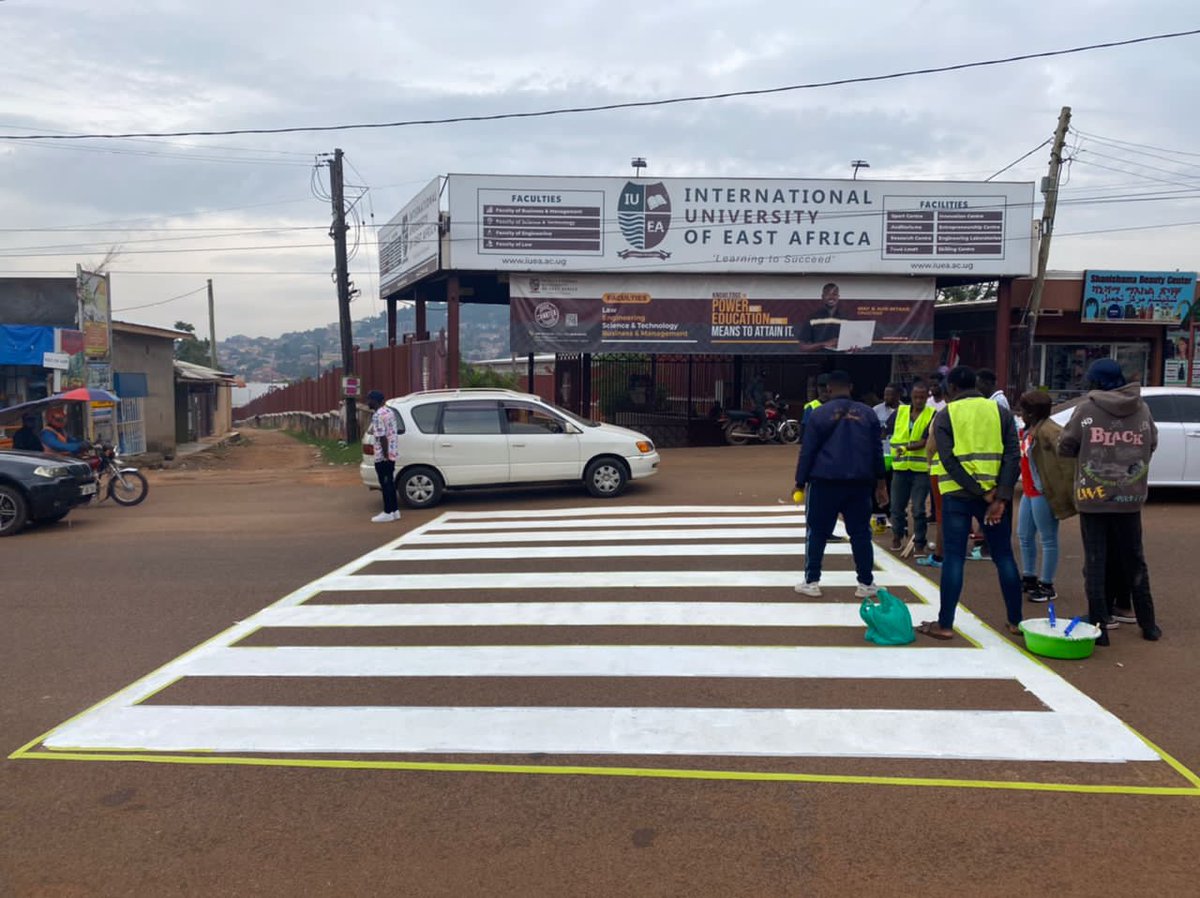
(1167, 464)
(472, 447)
(1188, 405)
(541, 444)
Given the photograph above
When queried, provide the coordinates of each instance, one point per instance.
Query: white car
(485, 437)
(1176, 413)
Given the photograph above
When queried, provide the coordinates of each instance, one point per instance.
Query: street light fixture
(857, 164)
(638, 163)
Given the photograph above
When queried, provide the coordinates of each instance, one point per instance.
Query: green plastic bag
(887, 619)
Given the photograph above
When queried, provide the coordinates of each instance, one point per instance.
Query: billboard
(95, 316)
(693, 314)
(1137, 297)
(528, 223)
(408, 244)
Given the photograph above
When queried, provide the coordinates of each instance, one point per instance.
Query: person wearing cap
(25, 438)
(1111, 436)
(385, 440)
(978, 463)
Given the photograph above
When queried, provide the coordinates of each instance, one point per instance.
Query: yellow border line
(638, 772)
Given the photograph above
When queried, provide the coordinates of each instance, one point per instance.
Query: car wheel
(14, 510)
(605, 478)
(420, 487)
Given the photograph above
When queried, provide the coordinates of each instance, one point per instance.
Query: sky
(245, 211)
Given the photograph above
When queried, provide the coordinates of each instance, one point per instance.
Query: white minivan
(451, 439)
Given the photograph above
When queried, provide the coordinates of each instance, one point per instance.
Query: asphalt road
(97, 602)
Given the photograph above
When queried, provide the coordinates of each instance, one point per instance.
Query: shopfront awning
(25, 344)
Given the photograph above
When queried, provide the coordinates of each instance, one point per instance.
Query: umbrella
(82, 394)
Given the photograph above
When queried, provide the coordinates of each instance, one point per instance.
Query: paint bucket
(1050, 642)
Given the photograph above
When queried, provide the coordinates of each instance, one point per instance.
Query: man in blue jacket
(841, 468)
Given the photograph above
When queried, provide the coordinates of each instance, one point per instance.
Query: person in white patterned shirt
(386, 440)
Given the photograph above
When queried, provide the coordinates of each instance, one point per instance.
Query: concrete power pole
(212, 329)
(338, 232)
(1050, 191)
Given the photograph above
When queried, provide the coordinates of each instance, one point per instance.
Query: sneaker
(929, 561)
(1044, 592)
(865, 590)
(1124, 615)
(1153, 634)
(809, 589)
(897, 543)
(836, 539)
(976, 554)
(1112, 623)
(385, 517)
(1029, 584)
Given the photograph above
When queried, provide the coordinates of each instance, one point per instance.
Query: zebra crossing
(557, 570)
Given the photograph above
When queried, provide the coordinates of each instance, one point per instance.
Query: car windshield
(582, 422)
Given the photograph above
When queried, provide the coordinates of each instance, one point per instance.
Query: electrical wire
(163, 302)
(1129, 143)
(636, 104)
(1020, 158)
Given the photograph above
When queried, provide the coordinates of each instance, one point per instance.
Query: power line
(1020, 158)
(163, 302)
(1144, 146)
(636, 104)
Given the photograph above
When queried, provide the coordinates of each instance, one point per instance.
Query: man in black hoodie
(1111, 435)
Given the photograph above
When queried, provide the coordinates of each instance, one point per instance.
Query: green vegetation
(333, 451)
(469, 376)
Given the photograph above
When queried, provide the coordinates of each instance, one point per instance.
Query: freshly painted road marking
(1074, 728)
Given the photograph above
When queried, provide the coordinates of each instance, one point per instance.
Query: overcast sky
(240, 209)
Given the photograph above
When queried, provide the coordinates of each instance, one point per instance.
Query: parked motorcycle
(125, 485)
(788, 430)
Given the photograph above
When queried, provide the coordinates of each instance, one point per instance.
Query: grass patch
(331, 450)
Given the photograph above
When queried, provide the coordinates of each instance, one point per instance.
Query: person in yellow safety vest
(908, 431)
(813, 404)
(978, 452)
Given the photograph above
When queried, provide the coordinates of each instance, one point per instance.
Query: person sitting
(54, 435)
(25, 438)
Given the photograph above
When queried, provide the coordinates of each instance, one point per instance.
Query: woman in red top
(1036, 522)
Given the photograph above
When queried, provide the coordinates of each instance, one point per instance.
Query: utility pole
(212, 328)
(1050, 191)
(338, 232)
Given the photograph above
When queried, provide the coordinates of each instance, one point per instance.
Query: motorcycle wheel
(789, 432)
(736, 435)
(769, 432)
(128, 489)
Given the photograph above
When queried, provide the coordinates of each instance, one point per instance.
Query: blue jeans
(1037, 523)
(957, 512)
(906, 486)
(852, 500)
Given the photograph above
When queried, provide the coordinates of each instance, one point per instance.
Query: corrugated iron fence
(396, 370)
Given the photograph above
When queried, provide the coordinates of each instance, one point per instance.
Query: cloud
(180, 65)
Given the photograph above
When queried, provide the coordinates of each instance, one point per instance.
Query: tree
(470, 376)
(968, 293)
(191, 349)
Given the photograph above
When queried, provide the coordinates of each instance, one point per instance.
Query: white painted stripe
(596, 580)
(621, 523)
(578, 536)
(560, 553)
(572, 614)
(973, 735)
(621, 512)
(805, 662)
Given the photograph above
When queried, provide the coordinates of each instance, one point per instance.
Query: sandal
(930, 628)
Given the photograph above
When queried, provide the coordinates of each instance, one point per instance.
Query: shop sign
(351, 386)
(59, 361)
(1175, 359)
(689, 314)
(1137, 297)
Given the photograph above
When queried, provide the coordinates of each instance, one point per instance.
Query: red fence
(396, 370)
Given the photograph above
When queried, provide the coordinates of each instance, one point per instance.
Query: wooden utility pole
(212, 329)
(1050, 192)
(338, 231)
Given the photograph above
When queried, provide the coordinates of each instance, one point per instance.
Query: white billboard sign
(529, 223)
(408, 244)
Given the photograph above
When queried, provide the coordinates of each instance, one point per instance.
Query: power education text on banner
(925, 228)
(1137, 297)
(693, 314)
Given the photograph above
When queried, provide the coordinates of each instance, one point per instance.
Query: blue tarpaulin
(25, 344)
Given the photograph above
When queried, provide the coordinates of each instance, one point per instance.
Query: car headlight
(644, 446)
(51, 471)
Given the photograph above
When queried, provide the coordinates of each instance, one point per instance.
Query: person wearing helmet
(54, 434)
(385, 438)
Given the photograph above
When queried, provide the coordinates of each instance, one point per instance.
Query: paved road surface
(754, 732)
